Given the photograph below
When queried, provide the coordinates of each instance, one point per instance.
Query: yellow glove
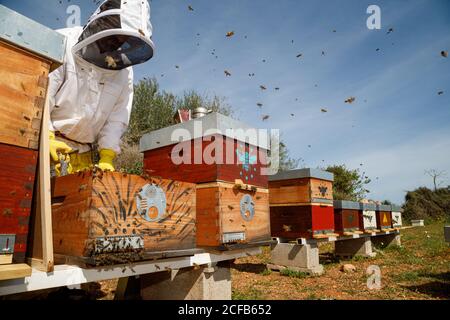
(106, 159)
(57, 147)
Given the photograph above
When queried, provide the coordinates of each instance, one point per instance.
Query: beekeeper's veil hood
(118, 35)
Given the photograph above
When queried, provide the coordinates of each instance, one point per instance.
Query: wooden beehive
(396, 216)
(103, 217)
(367, 216)
(206, 150)
(307, 221)
(301, 186)
(301, 203)
(384, 218)
(230, 216)
(346, 217)
(28, 51)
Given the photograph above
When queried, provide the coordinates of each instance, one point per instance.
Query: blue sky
(397, 127)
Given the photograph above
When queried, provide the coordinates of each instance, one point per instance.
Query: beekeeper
(91, 94)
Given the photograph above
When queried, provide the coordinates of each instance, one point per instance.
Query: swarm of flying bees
(350, 100)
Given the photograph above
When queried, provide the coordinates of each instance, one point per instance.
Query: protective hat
(118, 35)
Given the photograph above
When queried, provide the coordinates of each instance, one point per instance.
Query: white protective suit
(92, 93)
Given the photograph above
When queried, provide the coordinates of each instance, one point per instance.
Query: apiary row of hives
(302, 206)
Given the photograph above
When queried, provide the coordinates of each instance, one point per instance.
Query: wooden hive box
(297, 187)
(301, 204)
(346, 217)
(28, 51)
(231, 216)
(111, 217)
(205, 150)
(384, 218)
(367, 217)
(396, 216)
(307, 221)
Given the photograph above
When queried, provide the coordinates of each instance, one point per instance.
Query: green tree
(152, 109)
(348, 184)
(424, 203)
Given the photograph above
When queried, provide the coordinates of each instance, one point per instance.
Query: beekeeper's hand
(57, 147)
(106, 159)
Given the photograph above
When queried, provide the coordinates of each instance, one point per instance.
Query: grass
(266, 272)
(250, 294)
(293, 274)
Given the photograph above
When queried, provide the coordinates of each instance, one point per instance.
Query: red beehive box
(308, 221)
(301, 204)
(347, 217)
(205, 150)
(384, 218)
(16, 192)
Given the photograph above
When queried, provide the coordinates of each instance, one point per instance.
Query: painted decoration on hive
(248, 159)
(247, 207)
(151, 203)
(126, 207)
(323, 190)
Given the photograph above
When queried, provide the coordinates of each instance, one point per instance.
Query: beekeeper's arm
(116, 125)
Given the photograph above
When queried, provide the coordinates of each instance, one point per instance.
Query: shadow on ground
(255, 268)
(435, 289)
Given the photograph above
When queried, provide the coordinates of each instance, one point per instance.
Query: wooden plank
(42, 241)
(6, 258)
(45, 188)
(14, 271)
(22, 91)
